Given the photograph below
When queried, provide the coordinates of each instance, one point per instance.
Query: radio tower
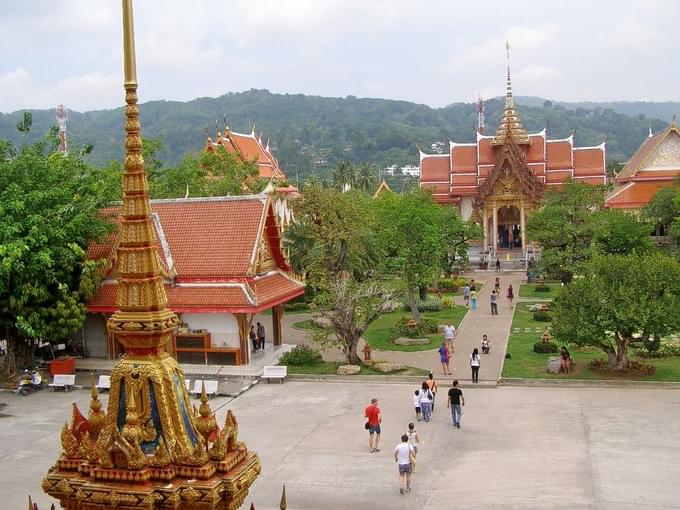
(480, 115)
(62, 117)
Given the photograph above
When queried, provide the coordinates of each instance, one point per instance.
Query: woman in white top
(403, 454)
(474, 365)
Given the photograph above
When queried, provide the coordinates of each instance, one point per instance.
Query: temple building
(499, 179)
(655, 165)
(222, 262)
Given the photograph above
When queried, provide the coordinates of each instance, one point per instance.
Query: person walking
(498, 265)
(416, 404)
(374, 417)
(253, 338)
(486, 346)
(449, 335)
(474, 365)
(403, 455)
(425, 401)
(473, 299)
(493, 298)
(413, 440)
(444, 358)
(466, 294)
(260, 335)
(510, 295)
(455, 402)
(432, 386)
(497, 285)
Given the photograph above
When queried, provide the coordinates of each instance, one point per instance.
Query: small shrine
(149, 449)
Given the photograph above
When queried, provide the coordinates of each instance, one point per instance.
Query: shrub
(297, 306)
(666, 349)
(300, 355)
(448, 302)
(542, 316)
(508, 355)
(451, 284)
(542, 288)
(432, 304)
(545, 347)
(425, 327)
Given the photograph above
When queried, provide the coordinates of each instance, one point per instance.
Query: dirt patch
(635, 369)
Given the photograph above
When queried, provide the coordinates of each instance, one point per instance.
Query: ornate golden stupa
(510, 125)
(150, 450)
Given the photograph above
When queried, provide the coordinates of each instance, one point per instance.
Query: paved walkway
(475, 324)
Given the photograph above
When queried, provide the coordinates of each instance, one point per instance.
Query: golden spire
(510, 125)
(283, 505)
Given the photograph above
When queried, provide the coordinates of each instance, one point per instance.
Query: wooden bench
(104, 382)
(275, 372)
(210, 387)
(63, 381)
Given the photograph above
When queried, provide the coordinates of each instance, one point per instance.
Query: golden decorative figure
(141, 453)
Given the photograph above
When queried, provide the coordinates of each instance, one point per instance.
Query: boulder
(402, 340)
(348, 370)
(553, 365)
(321, 322)
(387, 368)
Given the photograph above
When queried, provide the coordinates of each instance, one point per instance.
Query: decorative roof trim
(164, 243)
(228, 198)
(601, 147)
(453, 144)
(615, 193)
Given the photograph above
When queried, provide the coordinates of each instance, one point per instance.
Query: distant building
(655, 165)
(410, 170)
(389, 170)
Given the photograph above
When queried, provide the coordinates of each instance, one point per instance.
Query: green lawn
(331, 367)
(525, 363)
(380, 337)
(526, 290)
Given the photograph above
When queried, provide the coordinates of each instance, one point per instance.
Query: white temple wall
(223, 327)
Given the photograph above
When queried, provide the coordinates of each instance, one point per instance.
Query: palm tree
(344, 175)
(367, 177)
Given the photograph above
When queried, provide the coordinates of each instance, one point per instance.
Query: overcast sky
(433, 52)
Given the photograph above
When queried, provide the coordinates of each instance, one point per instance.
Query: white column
(485, 229)
(494, 234)
(521, 227)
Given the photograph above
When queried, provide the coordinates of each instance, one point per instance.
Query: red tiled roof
(434, 187)
(272, 287)
(434, 168)
(250, 149)
(558, 154)
(633, 195)
(536, 151)
(486, 153)
(464, 158)
(589, 162)
(464, 180)
(557, 176)
(640, 155)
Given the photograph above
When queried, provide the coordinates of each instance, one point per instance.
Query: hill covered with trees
(310, 134)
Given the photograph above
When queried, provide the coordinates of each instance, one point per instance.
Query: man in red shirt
(372, 413)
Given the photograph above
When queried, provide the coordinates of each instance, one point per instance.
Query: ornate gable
(666, 155)
(510, 176)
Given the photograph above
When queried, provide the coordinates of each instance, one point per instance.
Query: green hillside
(304, 129)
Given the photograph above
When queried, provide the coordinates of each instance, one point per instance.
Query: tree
(366, 177)
(619, 301)
(49, 207)
(351, 307)
(344, 175)
(620, 233)
(412, 234)
(457, 235)
(566, 226)
(333, 233)
(663, 210)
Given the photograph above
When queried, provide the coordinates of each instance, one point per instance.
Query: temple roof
(659, 154)
(510, 125)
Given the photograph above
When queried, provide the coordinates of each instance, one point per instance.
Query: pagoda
(499, 179)
(150, 450)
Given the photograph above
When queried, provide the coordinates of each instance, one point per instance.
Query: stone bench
(104, 383)
(275, 372)
(65, 381)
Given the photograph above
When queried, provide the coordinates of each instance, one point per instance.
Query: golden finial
(205, 423)
(207, 133)
(283, 504)
(96, 417)
(130, 65)
(30, 503)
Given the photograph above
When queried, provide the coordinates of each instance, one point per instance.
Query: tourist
(498, 265)
(260, 335)
(510, 295)
(494, 305)
(403, 455)
(474, 365)
(449, 335)
(466, 294)
(473, 285)
(372, 413)
(425, 401)
(432, 386)
(253, 337)
(455, 402)
(473, 299)
(497, 285)
(416, 404)
(565, 360)
(444, 358)
(413, 440)
(486, 346)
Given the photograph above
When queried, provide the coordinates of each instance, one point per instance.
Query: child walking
(413, 440)
(416, 404)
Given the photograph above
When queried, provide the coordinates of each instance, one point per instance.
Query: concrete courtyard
(538, 447)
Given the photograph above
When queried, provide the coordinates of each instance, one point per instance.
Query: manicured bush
(432, 304)
(542, 288)
(300, 355)
(546, 347)
(542, 316)
(425, 327)
(448, 302)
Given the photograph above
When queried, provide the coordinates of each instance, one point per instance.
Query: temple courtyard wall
(519, 447)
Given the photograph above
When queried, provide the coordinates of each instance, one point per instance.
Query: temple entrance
(509, 233)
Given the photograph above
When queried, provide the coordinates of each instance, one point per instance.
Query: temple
(655, 165)
(500, 179)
